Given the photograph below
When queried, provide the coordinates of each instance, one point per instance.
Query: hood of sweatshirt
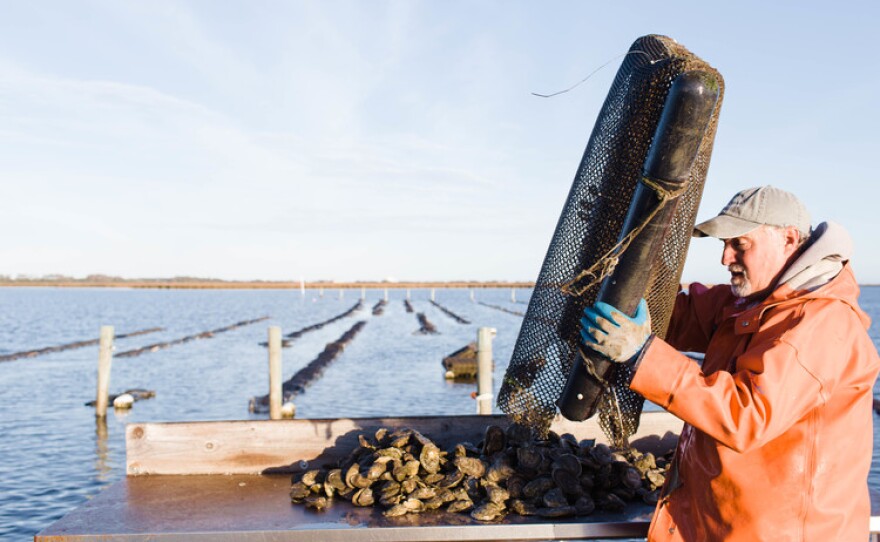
(830, 248)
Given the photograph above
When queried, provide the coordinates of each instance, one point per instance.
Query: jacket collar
(843, 288)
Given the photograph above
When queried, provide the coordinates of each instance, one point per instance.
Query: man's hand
(614, 334)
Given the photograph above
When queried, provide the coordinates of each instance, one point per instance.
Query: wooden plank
(286, 446)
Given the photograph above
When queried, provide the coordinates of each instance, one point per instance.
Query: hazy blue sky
(365, 140)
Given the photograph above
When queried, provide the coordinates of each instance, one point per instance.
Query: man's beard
(740, 285)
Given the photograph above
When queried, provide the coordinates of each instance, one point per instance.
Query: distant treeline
(109, 281)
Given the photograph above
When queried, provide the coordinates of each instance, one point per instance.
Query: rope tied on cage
(605, 265)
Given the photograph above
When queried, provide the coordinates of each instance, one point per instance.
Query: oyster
(365, 443)
(430, 458)
(299, 491)
(557, 512)
(460, 506)
(518, 434)
(602, 454)
(392, 452)
(471, 466)
(644, 462)
(500, 469)
(396, 510)
(488, 511)
(569, 463)
(334, 479)
(378, 468)
(610, 502)
(523, 508)
(496, 493)
(406, 470)
(537, 487)
(584, 505)
(433, 479)
(566, 482)
(528, 457)
(316, 502)
(655, 478)
(451, 480)
(423, 493)
(311, 477)
(400, 438)
(515, 486)
(554, 498)
(493, 441)
(631, 478)
(353, 478)
(363, 497)
(413, 505)
(409, 485)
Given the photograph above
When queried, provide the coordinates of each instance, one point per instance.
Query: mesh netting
(590, 225)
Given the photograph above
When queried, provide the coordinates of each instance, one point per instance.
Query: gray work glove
(614, 334)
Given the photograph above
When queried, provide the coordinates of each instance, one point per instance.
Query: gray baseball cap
(755, 207)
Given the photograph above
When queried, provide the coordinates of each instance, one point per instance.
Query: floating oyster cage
(231, 481)
(462, 364)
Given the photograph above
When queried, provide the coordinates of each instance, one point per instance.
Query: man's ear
(791, 237)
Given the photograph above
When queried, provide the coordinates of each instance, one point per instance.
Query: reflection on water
(102, 450)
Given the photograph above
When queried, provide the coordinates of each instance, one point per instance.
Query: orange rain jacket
(778, 437)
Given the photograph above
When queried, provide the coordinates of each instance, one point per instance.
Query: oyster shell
(494, 440)
(471, 466)
(429, 458)
(488, 511)
(363, 497)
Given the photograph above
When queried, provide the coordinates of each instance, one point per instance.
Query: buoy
(124, 401)
(288, 410)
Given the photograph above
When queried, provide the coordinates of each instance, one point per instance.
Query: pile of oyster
(508, 472)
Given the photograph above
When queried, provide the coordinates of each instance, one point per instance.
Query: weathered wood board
(285, 446)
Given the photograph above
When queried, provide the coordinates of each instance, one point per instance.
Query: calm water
(53, 456)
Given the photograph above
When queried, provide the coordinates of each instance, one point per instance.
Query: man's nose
(727, 255)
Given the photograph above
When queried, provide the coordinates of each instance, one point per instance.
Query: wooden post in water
(105, 357)
(341, 293)
(512, 295)
(386, 294)
(363, 293)
(407, 294)
(472, 295)
(274, 373)
(484, 370)
(432, 294)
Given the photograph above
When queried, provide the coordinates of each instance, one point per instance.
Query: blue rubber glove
(614, 334)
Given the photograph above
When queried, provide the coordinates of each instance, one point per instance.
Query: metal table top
(255, 507)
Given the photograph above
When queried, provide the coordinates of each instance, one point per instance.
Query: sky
(370, 140)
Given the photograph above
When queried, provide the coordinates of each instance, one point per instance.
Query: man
(777, 442)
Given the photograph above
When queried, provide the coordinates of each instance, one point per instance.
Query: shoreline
(256, 285)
